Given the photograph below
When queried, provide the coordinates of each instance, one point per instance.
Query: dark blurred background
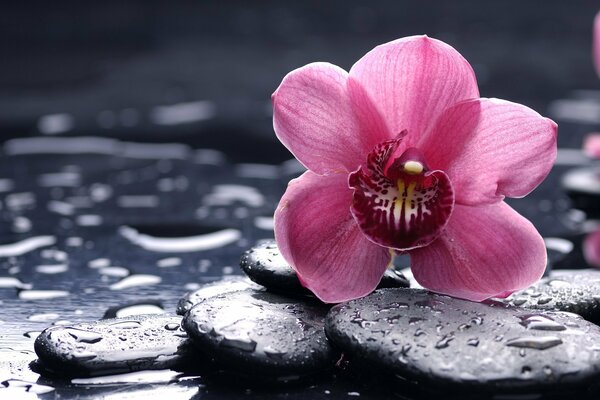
(202, 72)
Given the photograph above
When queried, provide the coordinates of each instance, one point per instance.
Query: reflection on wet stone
(254, 332)
(115, 345)
(575, 291)
(445, 341)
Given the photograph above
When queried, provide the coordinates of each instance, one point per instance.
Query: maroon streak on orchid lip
(435, 191)
(398, 203)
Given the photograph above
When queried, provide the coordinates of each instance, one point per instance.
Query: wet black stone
(442, 342)
(262, 334)
(393, 279)
(226, 285)
(115, 345)
(576, 291)
(265, 265)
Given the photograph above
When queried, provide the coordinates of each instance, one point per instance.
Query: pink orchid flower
(403, 156)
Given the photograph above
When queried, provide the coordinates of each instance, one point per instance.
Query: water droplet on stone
(535, 342)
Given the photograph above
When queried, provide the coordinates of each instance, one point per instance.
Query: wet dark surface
(183, 172)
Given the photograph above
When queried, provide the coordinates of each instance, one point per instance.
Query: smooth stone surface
(115, 345)
(262, 334)
(445, 342)
(223, 286)
(265, 265)
(576, 291)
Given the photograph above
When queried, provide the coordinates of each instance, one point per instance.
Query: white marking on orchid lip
(181, 244)
(413, 167)
(25, 246)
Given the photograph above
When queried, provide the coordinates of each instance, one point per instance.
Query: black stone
(265, 265)
(225, 285)
(262, 334)
(115, 345)
(393, 279)
(440, 342)
(576, 291)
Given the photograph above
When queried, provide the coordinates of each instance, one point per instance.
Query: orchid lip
(398, 202)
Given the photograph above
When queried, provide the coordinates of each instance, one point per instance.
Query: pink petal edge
(591, 249)
(506, 254)
(591, 145)
(413, 80)
(491, 148)
(315, 118)
(318, 237)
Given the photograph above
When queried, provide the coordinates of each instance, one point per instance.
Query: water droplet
(544, 300)
(535, 342)
(541, 323)
(558, 284)
(444, 342)
(172, 326)
(473, 342)
(126, 324)
(84, 336)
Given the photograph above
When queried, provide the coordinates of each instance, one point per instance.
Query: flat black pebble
(576, 291)
(262, 334)
(115, 345)
(440, 342)
(265, 265)
(226, 285)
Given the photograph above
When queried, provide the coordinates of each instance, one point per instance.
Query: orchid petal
(485, 251)
(591, 248)
(412, 80)
(314, 116)
(319, 238)
(591, 145)
(491, 148)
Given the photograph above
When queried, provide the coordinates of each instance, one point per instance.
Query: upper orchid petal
(314, 116)
(491, 148)
(485, 251)
(413, 80)
(319, 238)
